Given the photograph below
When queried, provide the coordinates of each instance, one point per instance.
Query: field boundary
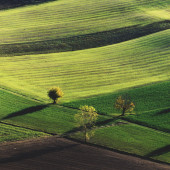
(83, 42)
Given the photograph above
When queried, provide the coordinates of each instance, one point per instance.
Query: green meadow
(94, 51)
(12, 133)
(20, 111)
(70, 25)
(89, 72)
(134, 139)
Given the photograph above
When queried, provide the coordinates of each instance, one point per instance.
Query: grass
(95, 75)
(89, 72)
(151, 105)
(63, 19)
(149, 98)
(6, 4)
(132, 138)
(157, 119)
(27, 113)
(83, 41)
(12, 133)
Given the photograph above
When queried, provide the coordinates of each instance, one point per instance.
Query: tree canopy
(125, 104)
(55, 93)
(86, 119)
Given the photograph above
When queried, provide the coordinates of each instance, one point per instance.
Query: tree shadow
(35, 153)
(159, 151)
(26, 111)
(101, 123)
(165, 111)
(76, 129)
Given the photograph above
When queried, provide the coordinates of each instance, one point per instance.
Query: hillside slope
(90, 72)
(63, 19)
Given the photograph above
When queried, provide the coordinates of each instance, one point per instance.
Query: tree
(55, 93)
(124, 104)
(86, 119)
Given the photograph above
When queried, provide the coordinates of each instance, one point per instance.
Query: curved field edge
(89, 72)
(8, 4)
(63, 18)
(84, 41)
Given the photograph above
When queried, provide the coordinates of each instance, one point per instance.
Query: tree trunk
(123, 112)
(54, 102)
(85, 134)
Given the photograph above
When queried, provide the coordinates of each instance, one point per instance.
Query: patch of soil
(50, 153)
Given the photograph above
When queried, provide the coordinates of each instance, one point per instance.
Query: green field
(151, 97)
(12, 133)
(94, 51)
(89, 72)
(65, 18)
(58, 25)
(133, 139)
(27, 113)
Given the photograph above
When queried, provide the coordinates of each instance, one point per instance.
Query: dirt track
(55, 153)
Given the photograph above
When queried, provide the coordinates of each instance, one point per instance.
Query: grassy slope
(151, 105)
(128, 138)
(63, 18)
(128, 64)
(11, 133)
(133, 139)
(146, 98)
(31, 114)
(90, 72)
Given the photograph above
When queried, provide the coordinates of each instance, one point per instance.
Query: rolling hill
(95, 51)
(60, 25)
(90, 72)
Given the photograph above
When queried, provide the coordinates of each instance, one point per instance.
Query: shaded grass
(11, 133)
(151, 105)
(146, 98)
(30, 114)
(84, 41)
(7, 4)
(63, 19)
(131, 138)
(153, 119)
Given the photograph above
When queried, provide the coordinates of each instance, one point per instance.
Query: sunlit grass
(65, 18)
(90, 72)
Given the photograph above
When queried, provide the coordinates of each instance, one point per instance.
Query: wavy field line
(71, 18)
(90, 72)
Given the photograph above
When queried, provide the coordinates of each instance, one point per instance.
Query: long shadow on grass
(159, 151)
(26, 111)
(76, 129)
(165, 111)
(86, 41)
(35, 153)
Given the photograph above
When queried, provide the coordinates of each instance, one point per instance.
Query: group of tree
(87, 115)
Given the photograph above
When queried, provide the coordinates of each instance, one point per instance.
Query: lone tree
(124, 104)
(86, 119)
(55, 93)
